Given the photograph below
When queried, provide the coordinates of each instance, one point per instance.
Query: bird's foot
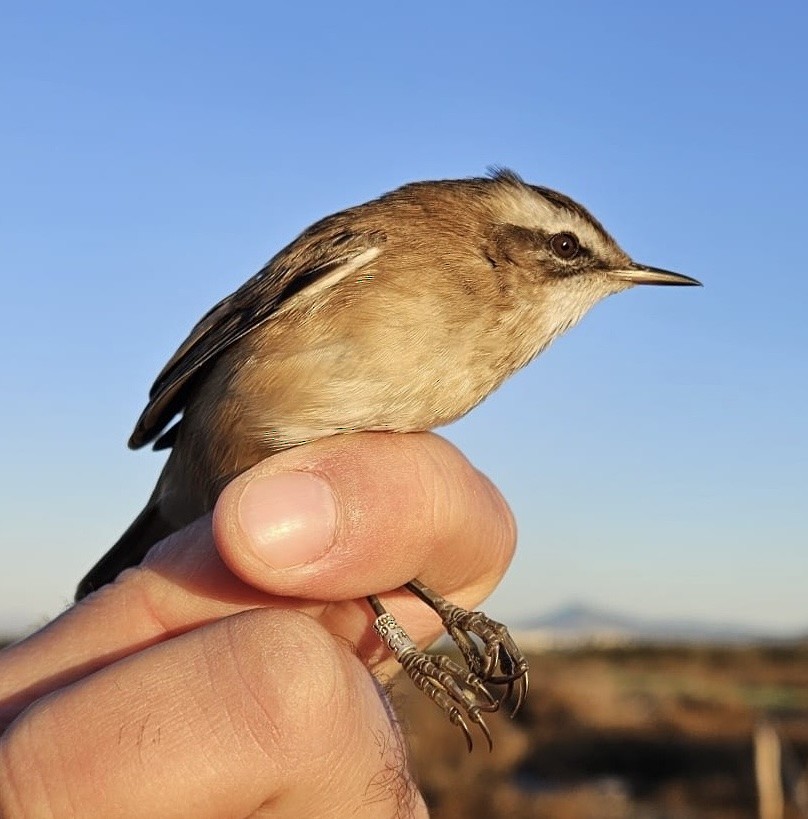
(458, 692)
(490, 652)
(495, 659)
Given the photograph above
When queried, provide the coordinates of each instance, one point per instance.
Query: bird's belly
(332, 389)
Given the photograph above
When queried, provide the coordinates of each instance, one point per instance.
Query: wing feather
(314, 259)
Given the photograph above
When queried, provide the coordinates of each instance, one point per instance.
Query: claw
(484, 728)
(521, 695)
(492, 661)
(457, 719)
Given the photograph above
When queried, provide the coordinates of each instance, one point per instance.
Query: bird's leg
(460, 693)
(497, 661)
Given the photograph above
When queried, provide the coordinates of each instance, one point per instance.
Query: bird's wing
(314, 259)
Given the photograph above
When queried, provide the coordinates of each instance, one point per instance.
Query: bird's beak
(640, 274)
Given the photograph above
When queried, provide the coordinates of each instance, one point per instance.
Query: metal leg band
(391, 633)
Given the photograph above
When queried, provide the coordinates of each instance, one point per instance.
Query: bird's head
(559, 239)
(555, 254)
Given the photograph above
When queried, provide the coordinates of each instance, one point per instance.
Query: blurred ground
(628, 733)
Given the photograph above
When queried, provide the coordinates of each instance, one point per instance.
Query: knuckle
(268, 648)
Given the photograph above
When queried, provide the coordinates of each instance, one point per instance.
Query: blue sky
(156, 154)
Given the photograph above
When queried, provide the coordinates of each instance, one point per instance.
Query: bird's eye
(564, 245)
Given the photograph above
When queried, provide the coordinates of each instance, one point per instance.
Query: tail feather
(146, 529)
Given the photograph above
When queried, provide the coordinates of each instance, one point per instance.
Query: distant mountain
(577, 622)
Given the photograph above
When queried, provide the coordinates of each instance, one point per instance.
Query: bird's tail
(146, 529)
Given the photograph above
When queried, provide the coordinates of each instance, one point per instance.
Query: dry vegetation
(639, 733)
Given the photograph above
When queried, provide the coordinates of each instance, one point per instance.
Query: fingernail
(290, 518)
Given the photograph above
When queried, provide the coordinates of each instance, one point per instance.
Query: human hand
(212, 681)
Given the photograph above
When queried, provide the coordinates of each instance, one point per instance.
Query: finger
(355, 515)
(140, 609)
(407, 505)
(260, 709)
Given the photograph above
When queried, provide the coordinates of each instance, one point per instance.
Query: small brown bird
(399, 314)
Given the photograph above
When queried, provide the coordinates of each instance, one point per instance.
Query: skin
(205, 682)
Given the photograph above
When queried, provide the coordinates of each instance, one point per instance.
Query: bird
(400, 314)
